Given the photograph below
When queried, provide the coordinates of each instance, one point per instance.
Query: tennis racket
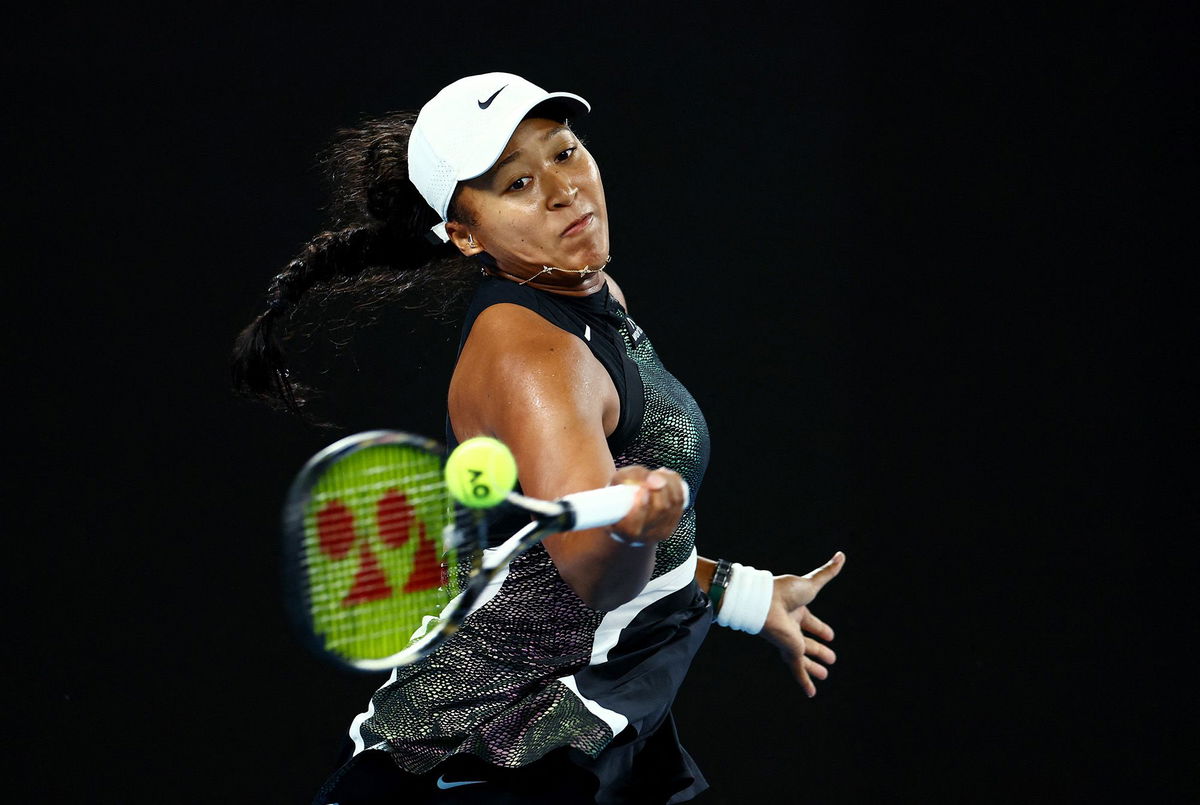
(380, 563)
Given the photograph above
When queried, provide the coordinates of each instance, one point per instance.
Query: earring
(471, 240)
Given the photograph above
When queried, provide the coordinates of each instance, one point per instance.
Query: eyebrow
(517, 153)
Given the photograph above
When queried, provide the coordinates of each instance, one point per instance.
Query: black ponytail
(376, 252)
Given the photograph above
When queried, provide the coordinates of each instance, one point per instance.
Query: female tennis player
(558, 686)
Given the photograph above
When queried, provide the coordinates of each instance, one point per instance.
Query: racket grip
(600, 507)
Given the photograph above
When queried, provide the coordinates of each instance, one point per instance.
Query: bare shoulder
(507, 336)
(617, 292)
(515, 365)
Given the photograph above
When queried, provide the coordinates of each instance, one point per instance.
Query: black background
(917, 272)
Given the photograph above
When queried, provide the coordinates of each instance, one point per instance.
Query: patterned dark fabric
(673, 434)
(496, 689)
(490, 690)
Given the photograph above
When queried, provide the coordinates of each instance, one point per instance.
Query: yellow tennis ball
(481, 472)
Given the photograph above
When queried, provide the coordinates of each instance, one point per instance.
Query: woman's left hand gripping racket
(380, 565)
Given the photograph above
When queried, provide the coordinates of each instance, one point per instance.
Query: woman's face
(541, 204)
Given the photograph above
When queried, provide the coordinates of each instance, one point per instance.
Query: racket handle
(600, 507)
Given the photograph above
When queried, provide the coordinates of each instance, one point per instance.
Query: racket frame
(577, 511)
(296, 591)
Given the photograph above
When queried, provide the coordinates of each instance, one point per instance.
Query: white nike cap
(461, 132)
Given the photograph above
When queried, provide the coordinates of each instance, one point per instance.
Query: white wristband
(747, 599)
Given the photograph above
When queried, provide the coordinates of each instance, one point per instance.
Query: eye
(520, 184)
(565, 154)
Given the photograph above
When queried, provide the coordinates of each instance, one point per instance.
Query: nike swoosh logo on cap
(441, 781)
(488, 102)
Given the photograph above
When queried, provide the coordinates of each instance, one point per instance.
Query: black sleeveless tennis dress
(533, 668)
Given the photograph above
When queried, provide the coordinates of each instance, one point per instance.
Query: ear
(460, 236)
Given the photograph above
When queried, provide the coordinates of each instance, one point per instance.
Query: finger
(826, 572)
(633, 524)
(656, 480)
(816, 669)
(814, 625)
(633, 474)
(665, 490)
(817, 651)
(657, 506)
(671, 485)
(800, 671)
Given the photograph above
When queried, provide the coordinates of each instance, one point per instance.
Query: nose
(561, 190)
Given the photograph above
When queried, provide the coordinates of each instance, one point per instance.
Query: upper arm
(540, 391)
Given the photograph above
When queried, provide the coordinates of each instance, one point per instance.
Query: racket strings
(380, 530)
(426, 570)
(402, 616)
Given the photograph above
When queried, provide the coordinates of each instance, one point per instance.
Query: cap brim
(558, 105)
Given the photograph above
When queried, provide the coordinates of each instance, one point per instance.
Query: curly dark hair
(375, 251)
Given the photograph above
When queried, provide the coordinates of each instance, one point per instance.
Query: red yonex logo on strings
(338, 535)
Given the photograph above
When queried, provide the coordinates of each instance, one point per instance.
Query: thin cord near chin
(580, 271)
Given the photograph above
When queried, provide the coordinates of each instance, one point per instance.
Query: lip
(578, 225)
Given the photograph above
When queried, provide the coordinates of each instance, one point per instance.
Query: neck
(572, 282)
